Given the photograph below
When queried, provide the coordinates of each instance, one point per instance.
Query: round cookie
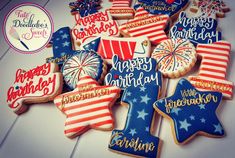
(175, 57)
(86, 62)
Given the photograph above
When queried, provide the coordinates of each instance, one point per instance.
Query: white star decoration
(142, 114)
(144, 99)
(184, 124)
(66, 43)
(218, 128)
(132, 132)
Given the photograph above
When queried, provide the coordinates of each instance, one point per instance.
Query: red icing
(170, 1)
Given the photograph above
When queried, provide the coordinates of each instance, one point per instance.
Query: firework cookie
(40, 84)
(198, 29)
(212, 72)
(146, 24)
(210, 8)
(84, 7)
(175, 57)
(167, 7)
(82, 64)
(97, 24)
(62, 45)
(125, 48)
(87, 106)
(191, 112)
(121, 9)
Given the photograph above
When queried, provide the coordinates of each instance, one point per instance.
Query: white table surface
(38, 133)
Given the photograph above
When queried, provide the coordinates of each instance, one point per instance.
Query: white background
(38, 133)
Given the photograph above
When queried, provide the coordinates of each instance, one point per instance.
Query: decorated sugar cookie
(40, 84)
(82, 64)
(146, 24)
(62, 46)
(212, 72)
(121, 9)
(175, 57)
(136, 138)
(210, 8)
(84, 7)
(125, 48)
(197, 29)
(191, 112)
(87, 106)
(168, 7)
(133, 73)
(97, 24)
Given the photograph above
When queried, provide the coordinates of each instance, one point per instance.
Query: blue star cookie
(197, 29)
(136, 139)
(62, 46)
(191, 112)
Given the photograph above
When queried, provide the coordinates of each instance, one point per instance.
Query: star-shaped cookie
(191, 112)
(87, 106)
(145, 24)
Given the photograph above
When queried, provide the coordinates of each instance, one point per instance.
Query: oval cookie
(175, 57)
(82, 64)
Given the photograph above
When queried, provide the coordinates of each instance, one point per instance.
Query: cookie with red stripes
(37, 85)
(175, 57)
(121, 9)
(125, 48)
(146, 24)
(87, 106)
(212, 73)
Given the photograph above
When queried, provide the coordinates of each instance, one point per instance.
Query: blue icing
(169, 7)
(197, 29)
(62, 46)
(85, 7)
(135, 72)
(135, 138)
(93, 45)
(191, 117)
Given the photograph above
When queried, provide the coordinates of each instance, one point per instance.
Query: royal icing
(125, 48)
(87, 106)
(212, 72)
(210, 8)
(145, 24)
(197, 29)
(37, 85)
(62, 46)
(168, 7)
(132, 73)
(84, 7)
(191, 112)
(175, 57)
(96, 24)
(82, 64)
(121, 9)
(136, 139)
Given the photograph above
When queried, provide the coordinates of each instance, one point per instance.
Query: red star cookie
(145, 24)
(87, 106)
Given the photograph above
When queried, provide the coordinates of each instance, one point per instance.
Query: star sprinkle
(87, 106)
(197, 112)
(149, 25)
(144, 99)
